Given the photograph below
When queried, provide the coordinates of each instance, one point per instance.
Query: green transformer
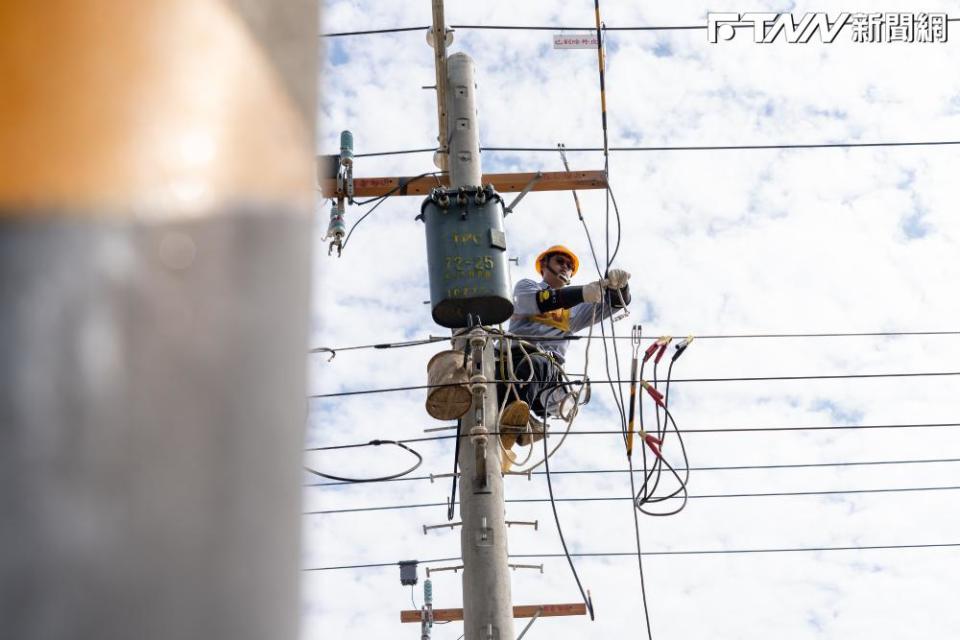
(467, 257)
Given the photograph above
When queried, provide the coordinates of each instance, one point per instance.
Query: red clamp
(654, 443)
(656, 395)
(662, 343)
(650, 350)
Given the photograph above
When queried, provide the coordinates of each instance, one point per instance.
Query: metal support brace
(530, 624)
(533, 524)
(509, 208)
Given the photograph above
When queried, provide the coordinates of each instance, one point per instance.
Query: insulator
(346, 148)
(427, 591)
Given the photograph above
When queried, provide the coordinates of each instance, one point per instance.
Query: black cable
(636, 530)
(340, 34)
(432, 339)
(380, 200)
(847, 376)
(505, 27)
(395, 153)
(755, 467)
(361, 219)
(382, 345)
(927, 425)
(544, 394)
(735, 147)
(773, 494)
(681, 552)
(729, 147)
(374, 443)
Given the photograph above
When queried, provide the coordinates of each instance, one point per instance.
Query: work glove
(617, 278)
(593, 292)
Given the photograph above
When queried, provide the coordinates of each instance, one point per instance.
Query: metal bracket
(533, 524)
(438, 569)
(538, 567)
(507, 210)
(450, 525)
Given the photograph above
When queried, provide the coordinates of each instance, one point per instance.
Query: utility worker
(551, 308)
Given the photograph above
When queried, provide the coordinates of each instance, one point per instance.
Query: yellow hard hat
(558, 248)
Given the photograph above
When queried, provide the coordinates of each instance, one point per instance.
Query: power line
(588, 432)
(754, 467)
(505, 27)
(653, 337)
(739, 147)
(341, 34)
(703, 496)
(846, 376)
(734, 147)
(681, 552)
(394, 153)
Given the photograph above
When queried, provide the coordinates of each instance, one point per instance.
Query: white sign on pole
(575, 40)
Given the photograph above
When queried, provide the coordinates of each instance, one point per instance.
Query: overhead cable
(678, 552)
(847, 376)
(433, 339)
(704, 496)
(527, 27)
(592, 432)
(746, 467)
(734, 147)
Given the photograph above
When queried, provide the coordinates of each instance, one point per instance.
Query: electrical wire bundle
(653, 470)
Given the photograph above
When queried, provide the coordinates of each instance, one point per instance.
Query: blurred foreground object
(156, 169)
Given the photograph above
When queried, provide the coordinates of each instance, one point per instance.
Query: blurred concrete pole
(487, 604)
(155, 200)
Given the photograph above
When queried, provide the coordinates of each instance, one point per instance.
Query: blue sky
(822, 240)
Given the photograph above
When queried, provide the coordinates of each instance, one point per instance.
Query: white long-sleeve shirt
(528, 320)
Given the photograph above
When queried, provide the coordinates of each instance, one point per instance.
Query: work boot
(534, 434)
(515, 417)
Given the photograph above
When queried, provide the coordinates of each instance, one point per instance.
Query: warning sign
(575, 40)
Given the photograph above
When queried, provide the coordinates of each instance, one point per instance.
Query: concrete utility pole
(487, 606)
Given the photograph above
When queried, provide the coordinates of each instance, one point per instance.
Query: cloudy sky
(719, 243)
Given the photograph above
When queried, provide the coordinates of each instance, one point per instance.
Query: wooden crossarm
(502, 182)
(519, 611)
